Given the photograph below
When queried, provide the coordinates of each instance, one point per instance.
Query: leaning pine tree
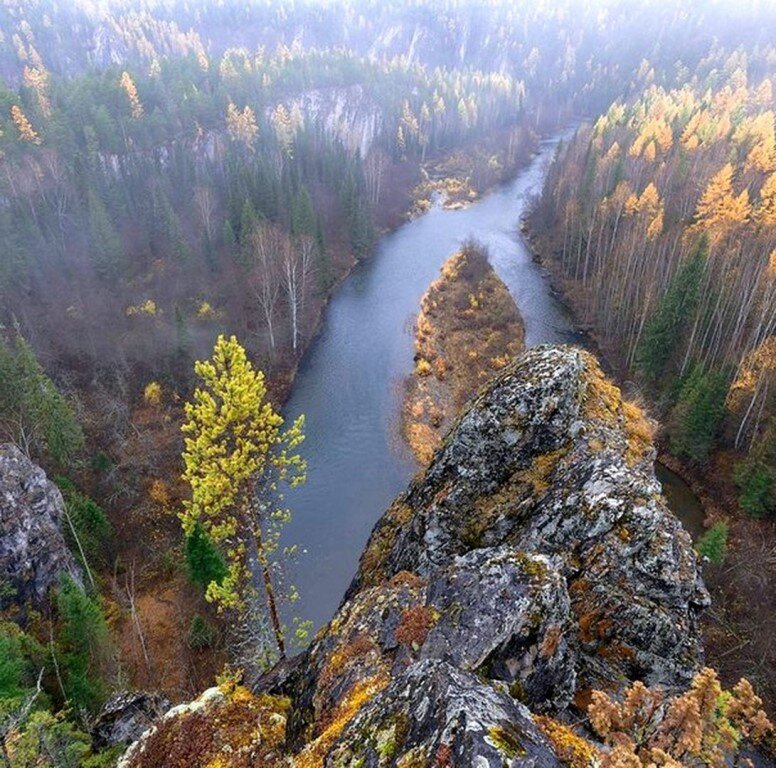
(237, 456)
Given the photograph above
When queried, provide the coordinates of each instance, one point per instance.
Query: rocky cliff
(533, 561)
(33, 551)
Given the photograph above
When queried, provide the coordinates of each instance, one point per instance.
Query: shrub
(713, 543)
(202, 634)
(702, 726)
(423, 367)
(152, 393)
(205, 563)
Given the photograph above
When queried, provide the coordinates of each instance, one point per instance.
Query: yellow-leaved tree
(237, 457)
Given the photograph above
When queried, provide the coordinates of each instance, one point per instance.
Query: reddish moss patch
(407, 579)
(415, 625)
(231, 733)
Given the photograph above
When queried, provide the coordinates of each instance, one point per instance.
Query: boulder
(126, 716)
(33, 551)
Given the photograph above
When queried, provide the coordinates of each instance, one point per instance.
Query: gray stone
(435, 714)
(33, 551)
(125, 717)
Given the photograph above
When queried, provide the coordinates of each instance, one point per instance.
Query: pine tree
(88, 530)
(755, 476)
(249, 220)
(82, 646)
(713, 543)
(107, 251)
(237, 456)
(303, 220)
(33, 413)
(204, 561)
(12, 665)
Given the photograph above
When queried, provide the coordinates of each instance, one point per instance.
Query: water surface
(348, 385)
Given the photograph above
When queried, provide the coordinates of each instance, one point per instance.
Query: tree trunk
(269, 589)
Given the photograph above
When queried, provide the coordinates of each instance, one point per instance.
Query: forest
(186, 185)
(671, 197)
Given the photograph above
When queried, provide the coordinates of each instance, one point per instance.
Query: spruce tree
(671, 316)
(81, 647)
(696, 417)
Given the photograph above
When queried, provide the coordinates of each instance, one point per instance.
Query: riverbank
(464, 175)
(468, 328)
(350, 382)
(166, 604)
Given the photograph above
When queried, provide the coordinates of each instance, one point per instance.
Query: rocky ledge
(33, 551)
(532, 562)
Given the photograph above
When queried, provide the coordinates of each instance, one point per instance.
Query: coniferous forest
(186, 189)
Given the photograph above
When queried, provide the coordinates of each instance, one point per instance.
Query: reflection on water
(347, 385)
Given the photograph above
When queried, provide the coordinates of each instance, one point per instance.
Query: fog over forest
(493, 280)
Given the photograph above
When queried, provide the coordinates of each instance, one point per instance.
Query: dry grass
(467, 330)
(572, 750)
(604, 403)
(313, 754)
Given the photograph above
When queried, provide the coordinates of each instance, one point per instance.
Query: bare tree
(13, 719)
(296, 269)
(265, 277)
(205, 201)
(374, 169)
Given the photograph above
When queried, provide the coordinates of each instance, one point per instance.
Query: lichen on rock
(532, 561)
(33, 550)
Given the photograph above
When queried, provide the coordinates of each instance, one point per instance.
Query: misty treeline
(171, 170)
(144, 210)
(567, 46)
(662, 220)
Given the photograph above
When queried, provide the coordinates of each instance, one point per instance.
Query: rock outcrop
(533, 561)
(125, 717)
(33, 551)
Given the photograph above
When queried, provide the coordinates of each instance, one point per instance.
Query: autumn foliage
(705, 726)
(662, 219)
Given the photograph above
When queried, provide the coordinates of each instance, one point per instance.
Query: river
(348, 385)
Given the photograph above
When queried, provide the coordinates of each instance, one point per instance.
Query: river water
(349, 383)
